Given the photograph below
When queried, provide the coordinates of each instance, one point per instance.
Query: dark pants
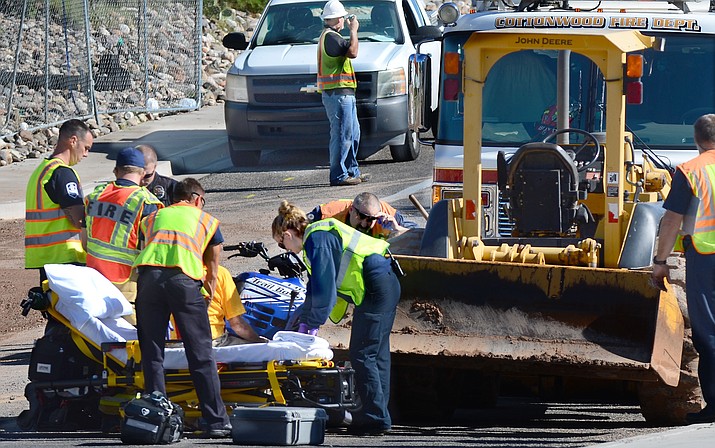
(370, 341)
(165, 291)
(700, 292)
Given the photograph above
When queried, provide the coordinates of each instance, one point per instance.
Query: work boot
(706, 415)
(217, 433)
(346, 182)
(367, 430)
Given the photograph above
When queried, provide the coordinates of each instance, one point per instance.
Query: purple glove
(385, 223)
(303, 328)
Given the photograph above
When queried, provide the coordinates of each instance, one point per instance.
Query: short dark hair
(704, 130)
(184, 190)
(73, 127)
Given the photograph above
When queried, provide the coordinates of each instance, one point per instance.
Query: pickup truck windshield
(300, 23)
(520, 95)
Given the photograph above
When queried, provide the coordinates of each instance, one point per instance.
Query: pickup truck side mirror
(425, 33)
(235, 41)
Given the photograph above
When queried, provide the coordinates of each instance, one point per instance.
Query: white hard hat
(333, 9)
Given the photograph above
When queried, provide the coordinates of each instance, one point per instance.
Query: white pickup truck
(271, 96)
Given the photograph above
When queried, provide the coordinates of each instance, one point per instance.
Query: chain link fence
(62, 59)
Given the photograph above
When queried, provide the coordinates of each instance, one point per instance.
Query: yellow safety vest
(50, 236)
(177, 236)
(113, 213)
(356, 247)
(334, 72)
(700, 173)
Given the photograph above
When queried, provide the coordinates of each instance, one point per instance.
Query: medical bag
(151, 419)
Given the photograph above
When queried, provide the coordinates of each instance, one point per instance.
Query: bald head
(149, 153)
(368, 203)
(149, 164)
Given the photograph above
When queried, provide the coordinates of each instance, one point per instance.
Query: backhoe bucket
(537, 319)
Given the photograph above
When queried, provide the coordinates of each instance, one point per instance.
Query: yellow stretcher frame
(254, 384)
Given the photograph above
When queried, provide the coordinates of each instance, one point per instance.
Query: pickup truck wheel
(243, 158)
(408, 151)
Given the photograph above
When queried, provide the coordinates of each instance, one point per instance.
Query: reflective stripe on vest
(50, 236)
(113, 213)
(700, 173)
(334, 72)
(349, 279)
(177, 236)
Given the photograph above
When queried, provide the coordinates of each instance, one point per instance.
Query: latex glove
(386, 221)
(303, 328)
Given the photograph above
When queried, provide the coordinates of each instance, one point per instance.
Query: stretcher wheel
(27, 420)
(110, 424)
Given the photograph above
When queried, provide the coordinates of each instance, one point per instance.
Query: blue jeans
(700, 293)
(344, 136)
(370, 341)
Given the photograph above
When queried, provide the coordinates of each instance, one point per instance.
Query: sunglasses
(203, 201)
(148, 176)
(363, 216)
(280, 243)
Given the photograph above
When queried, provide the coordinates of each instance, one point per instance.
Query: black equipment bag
(151, 419)
(55, 357)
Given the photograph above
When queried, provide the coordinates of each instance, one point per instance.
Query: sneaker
(217, 433)
(364, 177)
(706, 415)
(346, 182)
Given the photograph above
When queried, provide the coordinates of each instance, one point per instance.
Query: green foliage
(214, 8)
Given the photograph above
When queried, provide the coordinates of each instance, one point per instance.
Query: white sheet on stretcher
(99, 299)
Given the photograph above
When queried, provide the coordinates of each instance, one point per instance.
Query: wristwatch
(659, 262)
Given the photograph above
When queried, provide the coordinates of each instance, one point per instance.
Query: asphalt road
(246, 200)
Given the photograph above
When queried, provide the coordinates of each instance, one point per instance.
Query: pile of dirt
(15, 281)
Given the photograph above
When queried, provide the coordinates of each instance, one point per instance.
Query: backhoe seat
(542, 186)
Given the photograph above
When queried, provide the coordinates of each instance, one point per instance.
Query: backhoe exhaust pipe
(419, 206)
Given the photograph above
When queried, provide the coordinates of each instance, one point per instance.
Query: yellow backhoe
(568, 293)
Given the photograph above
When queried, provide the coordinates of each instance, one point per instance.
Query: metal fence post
(46, 111)
(89, 62)
(199, 35)
(14, 71)
(143, 19)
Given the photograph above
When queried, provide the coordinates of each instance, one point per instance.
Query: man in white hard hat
(336, 81)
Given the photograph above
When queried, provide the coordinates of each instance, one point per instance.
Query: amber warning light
(634, 86)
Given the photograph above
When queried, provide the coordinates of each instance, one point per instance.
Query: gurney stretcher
(85, 367)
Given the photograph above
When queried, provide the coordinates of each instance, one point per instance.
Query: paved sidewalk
(182, 138)
(693, 436)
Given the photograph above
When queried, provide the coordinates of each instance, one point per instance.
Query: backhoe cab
(560, 192)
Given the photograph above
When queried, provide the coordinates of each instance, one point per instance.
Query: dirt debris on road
(15, 281)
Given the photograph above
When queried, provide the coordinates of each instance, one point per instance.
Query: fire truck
(520, 106)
